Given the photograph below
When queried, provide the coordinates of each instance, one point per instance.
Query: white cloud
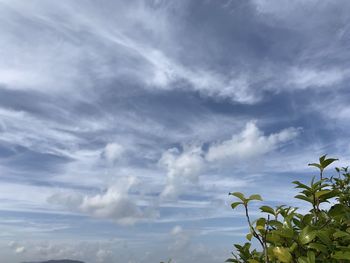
(249, 143)
(20, 250)
(17, 248)
(113, 152)
(70, 200)
(12, 244)
(303, 78)
(115, 203)
(283, 8)
(182, 168)
(181, 239)
(176, 230)
(209, 83)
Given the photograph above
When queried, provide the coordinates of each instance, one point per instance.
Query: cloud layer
(124, 124)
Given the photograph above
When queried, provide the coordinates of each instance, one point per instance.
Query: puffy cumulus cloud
(113, 152)
(16, 247)
(115, 203)
(20, 250)
(182, 167)
(249, 143)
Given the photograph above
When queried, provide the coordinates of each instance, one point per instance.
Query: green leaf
(318, 247)
(238, 195)
(235, 204)
(323, 235)
(261, 222)
(337, 210)
(282, 254)
(341, 255)
(316, 165)
(340, 234)
(307, 219)
(327, 162)
(302, 260)
(311, 256)
(322, 158)
(302, 197)
(255, 197)
(285, 232)
(267, 209)
(275, 223)
(307, 235)
(320, 193)
(330, 194)
(300, 185)
(273, 237)
(293, 246)
(249, 236)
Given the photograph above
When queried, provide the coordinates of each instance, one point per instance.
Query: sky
(125, 124)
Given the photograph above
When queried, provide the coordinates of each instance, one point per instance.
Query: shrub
(285, 235)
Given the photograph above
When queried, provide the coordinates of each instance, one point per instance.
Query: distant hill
(57, 261)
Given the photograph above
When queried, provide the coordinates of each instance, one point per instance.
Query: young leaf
(323, 235)
(300, 185)
(249, 236)
(307, 235)
(303, 260)
(320, 193)
(255, 197)
(311, 256)
(322, 158)
(267, 209)
(305, 198)
(238, 195)
(235, 204)
(282, 254)
(340, 234)
(318, 247)
(316, 165)
(342, 255)
(327, 162)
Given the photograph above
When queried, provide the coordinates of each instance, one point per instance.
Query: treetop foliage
(287, 236)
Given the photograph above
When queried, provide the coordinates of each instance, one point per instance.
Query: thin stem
(264, 238)
(255, 234)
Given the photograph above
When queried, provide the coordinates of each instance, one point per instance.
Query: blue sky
(124, 124)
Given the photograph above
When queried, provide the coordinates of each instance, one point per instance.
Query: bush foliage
(285, 235)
